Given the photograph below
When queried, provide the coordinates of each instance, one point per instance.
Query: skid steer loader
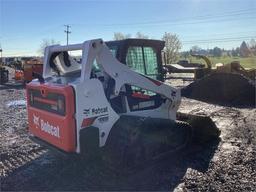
(100, 104)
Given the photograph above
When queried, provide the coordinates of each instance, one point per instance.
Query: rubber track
(181, 124)
(121, 140)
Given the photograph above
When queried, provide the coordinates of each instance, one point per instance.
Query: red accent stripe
(158, 83)
(140, 95)
(88, 121)
(50, 102)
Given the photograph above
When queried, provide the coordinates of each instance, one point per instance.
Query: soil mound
(222, 88)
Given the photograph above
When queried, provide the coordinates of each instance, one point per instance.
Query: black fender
(89, 140)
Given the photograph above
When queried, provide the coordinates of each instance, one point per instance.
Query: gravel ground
(225, 165)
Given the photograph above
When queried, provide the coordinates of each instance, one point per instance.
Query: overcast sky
(206, 23)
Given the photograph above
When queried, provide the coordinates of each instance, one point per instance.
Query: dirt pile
(222, 88)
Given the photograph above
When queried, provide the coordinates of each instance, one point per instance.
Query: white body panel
(90, 93)
(91, 97)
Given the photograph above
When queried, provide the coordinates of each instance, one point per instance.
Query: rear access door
(51, 110)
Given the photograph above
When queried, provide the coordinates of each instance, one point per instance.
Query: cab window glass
(150, 60)
(134, 59)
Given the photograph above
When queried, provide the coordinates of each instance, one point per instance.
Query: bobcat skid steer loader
(96, 103)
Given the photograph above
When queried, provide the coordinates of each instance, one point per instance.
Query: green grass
(248, 62)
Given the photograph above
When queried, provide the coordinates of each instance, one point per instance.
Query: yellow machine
(233, 67)
(205, 58)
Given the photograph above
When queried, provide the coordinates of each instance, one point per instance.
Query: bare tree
(120, 36)
(172, 47)
(45, 43)
(140, 35)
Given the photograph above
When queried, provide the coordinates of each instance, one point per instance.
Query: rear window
(143, 60)
(52, 102)
(134, 59)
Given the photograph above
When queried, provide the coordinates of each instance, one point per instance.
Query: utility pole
(67, 31)
(1, 50)
(1, 61)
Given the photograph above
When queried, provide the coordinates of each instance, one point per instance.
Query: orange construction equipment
(30, 67)
(19, 75)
